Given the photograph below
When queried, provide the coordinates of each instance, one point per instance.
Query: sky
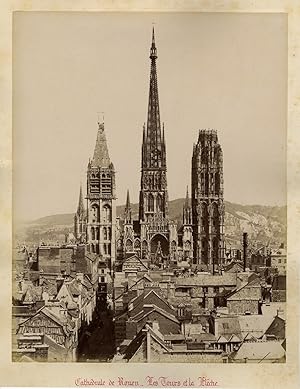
(218, 71)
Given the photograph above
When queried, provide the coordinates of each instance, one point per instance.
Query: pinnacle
(101, 156)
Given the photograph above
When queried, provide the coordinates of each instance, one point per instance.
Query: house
(254, 326)
(150, 345)
(150, 306)
(30, 347)
(132, 262)
(78, 295)
(227, 332)
(245, 299)
(279, 288)
(55, 259)
(58, 329)
(278, 260)
(201, 290)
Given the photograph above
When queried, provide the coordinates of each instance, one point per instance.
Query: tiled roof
(253, 283)
(204, 337)
(142, 314)
(149, 297)
(228, 325)
(255, 325)
(234, 265)
(134, 345)
(73, 288)
(49, 286)
(140, 338)
(33, 294)
(67, 323)
(274, 308)
(277, 328)
(206, 279)
(170, 337)
(260, 351)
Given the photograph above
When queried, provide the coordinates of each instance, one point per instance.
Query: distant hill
(264, 224)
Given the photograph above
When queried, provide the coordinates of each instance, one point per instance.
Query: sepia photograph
(149, 188)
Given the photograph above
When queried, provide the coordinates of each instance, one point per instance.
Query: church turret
(187, 237)
(153, 193)
(80, 220)
(127, 212)
(101, 195)
(187, 209)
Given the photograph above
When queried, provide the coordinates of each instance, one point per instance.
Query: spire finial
(153, 51)
(100, 118)
(127, 212)
(127, 200)
(187, 200)
(153, 35)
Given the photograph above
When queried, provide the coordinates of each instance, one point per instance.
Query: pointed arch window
(145, 246)
(137, 244)
(187, 245)
(151, 203)
(217, 183)
(106, 214)
(93, 233)
(104, 233)
(129, 246)
(95, 213)
(159, 203)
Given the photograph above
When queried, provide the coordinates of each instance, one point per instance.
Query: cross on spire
(98, 117)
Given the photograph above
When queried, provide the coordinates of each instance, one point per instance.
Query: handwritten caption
(149, 381)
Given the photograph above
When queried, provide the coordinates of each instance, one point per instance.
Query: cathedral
(195, 241)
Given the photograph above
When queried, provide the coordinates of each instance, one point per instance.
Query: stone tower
(101, 196)
(153, 193)
(207, 200)
(80, 220)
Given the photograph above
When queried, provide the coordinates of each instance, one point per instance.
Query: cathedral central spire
(154, 142)
(153, 194)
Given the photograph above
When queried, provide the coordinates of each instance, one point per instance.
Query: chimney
(59, 283)
(245, 245)
(148, 344)
(280, 312)
(171, 290)
(155, 326)
(79, 277)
